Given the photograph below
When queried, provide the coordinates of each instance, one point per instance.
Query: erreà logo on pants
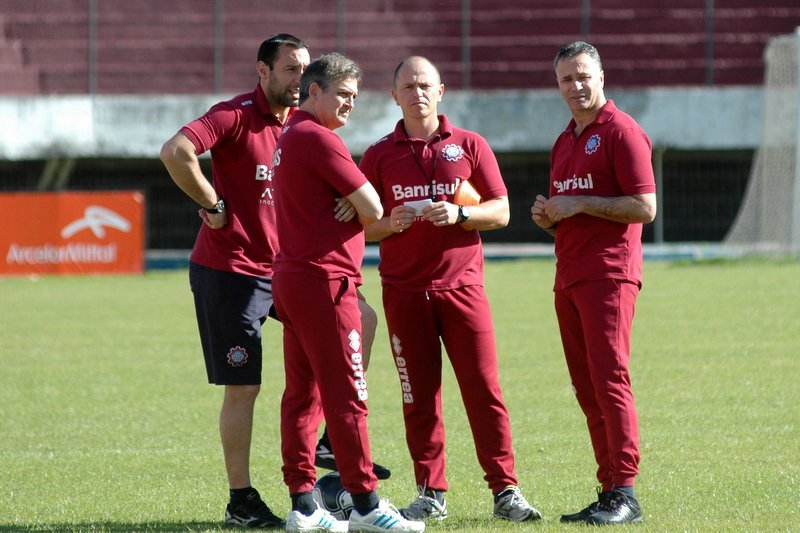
(402, 370)
(357, 363)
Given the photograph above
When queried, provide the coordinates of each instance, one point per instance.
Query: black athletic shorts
(230, 310)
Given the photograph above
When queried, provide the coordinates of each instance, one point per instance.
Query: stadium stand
(188, 50)
(15, 76)
(144, 48)
(54, 42)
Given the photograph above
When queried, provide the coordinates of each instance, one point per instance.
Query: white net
(768, 219)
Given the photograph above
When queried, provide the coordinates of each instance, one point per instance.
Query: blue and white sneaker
(385, 517)
(320, 520)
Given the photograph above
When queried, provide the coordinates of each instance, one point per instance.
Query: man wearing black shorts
(231, 263)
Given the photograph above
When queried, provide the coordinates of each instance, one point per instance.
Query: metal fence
(700, 194)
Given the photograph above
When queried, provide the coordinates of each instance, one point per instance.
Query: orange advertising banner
(72, 232)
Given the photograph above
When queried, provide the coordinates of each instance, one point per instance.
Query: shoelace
(253, 507)
(612, 501)
(390, 506)
(514, 496)
(424, 503)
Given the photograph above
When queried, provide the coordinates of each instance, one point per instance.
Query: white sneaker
(320, 520)
(427, 506)
(385, 518)
(512, 505)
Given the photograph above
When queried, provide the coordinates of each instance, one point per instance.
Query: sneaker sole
(533, 515)
(239, 522)
(634, 520)
(437, 518)
(580, 516)
(235, 522)
(371, 529)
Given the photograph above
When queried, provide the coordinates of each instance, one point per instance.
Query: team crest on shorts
(237, 356)
(452, 152)
(592, 144)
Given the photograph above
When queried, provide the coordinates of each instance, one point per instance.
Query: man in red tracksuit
(432, 274)
(602, 190)
(316, 275)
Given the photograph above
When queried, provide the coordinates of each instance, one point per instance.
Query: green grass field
(107, 423)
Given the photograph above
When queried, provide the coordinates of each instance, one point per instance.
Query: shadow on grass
(465, 525)
(113, 527)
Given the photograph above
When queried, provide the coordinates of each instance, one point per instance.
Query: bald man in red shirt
(432, 274)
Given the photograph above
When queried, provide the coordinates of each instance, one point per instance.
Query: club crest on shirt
(592, 144)
(452, 152)
(237, 356)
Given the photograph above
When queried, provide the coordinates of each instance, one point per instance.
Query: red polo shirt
(314, 168)
(611, 157)
(241, 134)
(427, 257)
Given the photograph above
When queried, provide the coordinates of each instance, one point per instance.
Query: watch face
(218, 207)
(465, 211)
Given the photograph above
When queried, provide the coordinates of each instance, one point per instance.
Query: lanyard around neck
(432, 178)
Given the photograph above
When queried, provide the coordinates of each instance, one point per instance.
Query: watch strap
(219, 207)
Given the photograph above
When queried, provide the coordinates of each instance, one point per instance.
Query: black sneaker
(586, 512)
(252, 512)
(618, 508)
(324, 459)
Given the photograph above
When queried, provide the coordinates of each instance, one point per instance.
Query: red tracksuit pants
(595, 319)
(462, 319)
(324, 374)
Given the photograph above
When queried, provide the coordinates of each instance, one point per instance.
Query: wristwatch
(463, 214)
(218, 207)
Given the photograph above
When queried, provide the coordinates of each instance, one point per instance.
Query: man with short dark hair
(231, 263)
(602, 190)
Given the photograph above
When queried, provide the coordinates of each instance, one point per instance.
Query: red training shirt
(241, 134)
(424, 256)
(313, 168)
(611, 157)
